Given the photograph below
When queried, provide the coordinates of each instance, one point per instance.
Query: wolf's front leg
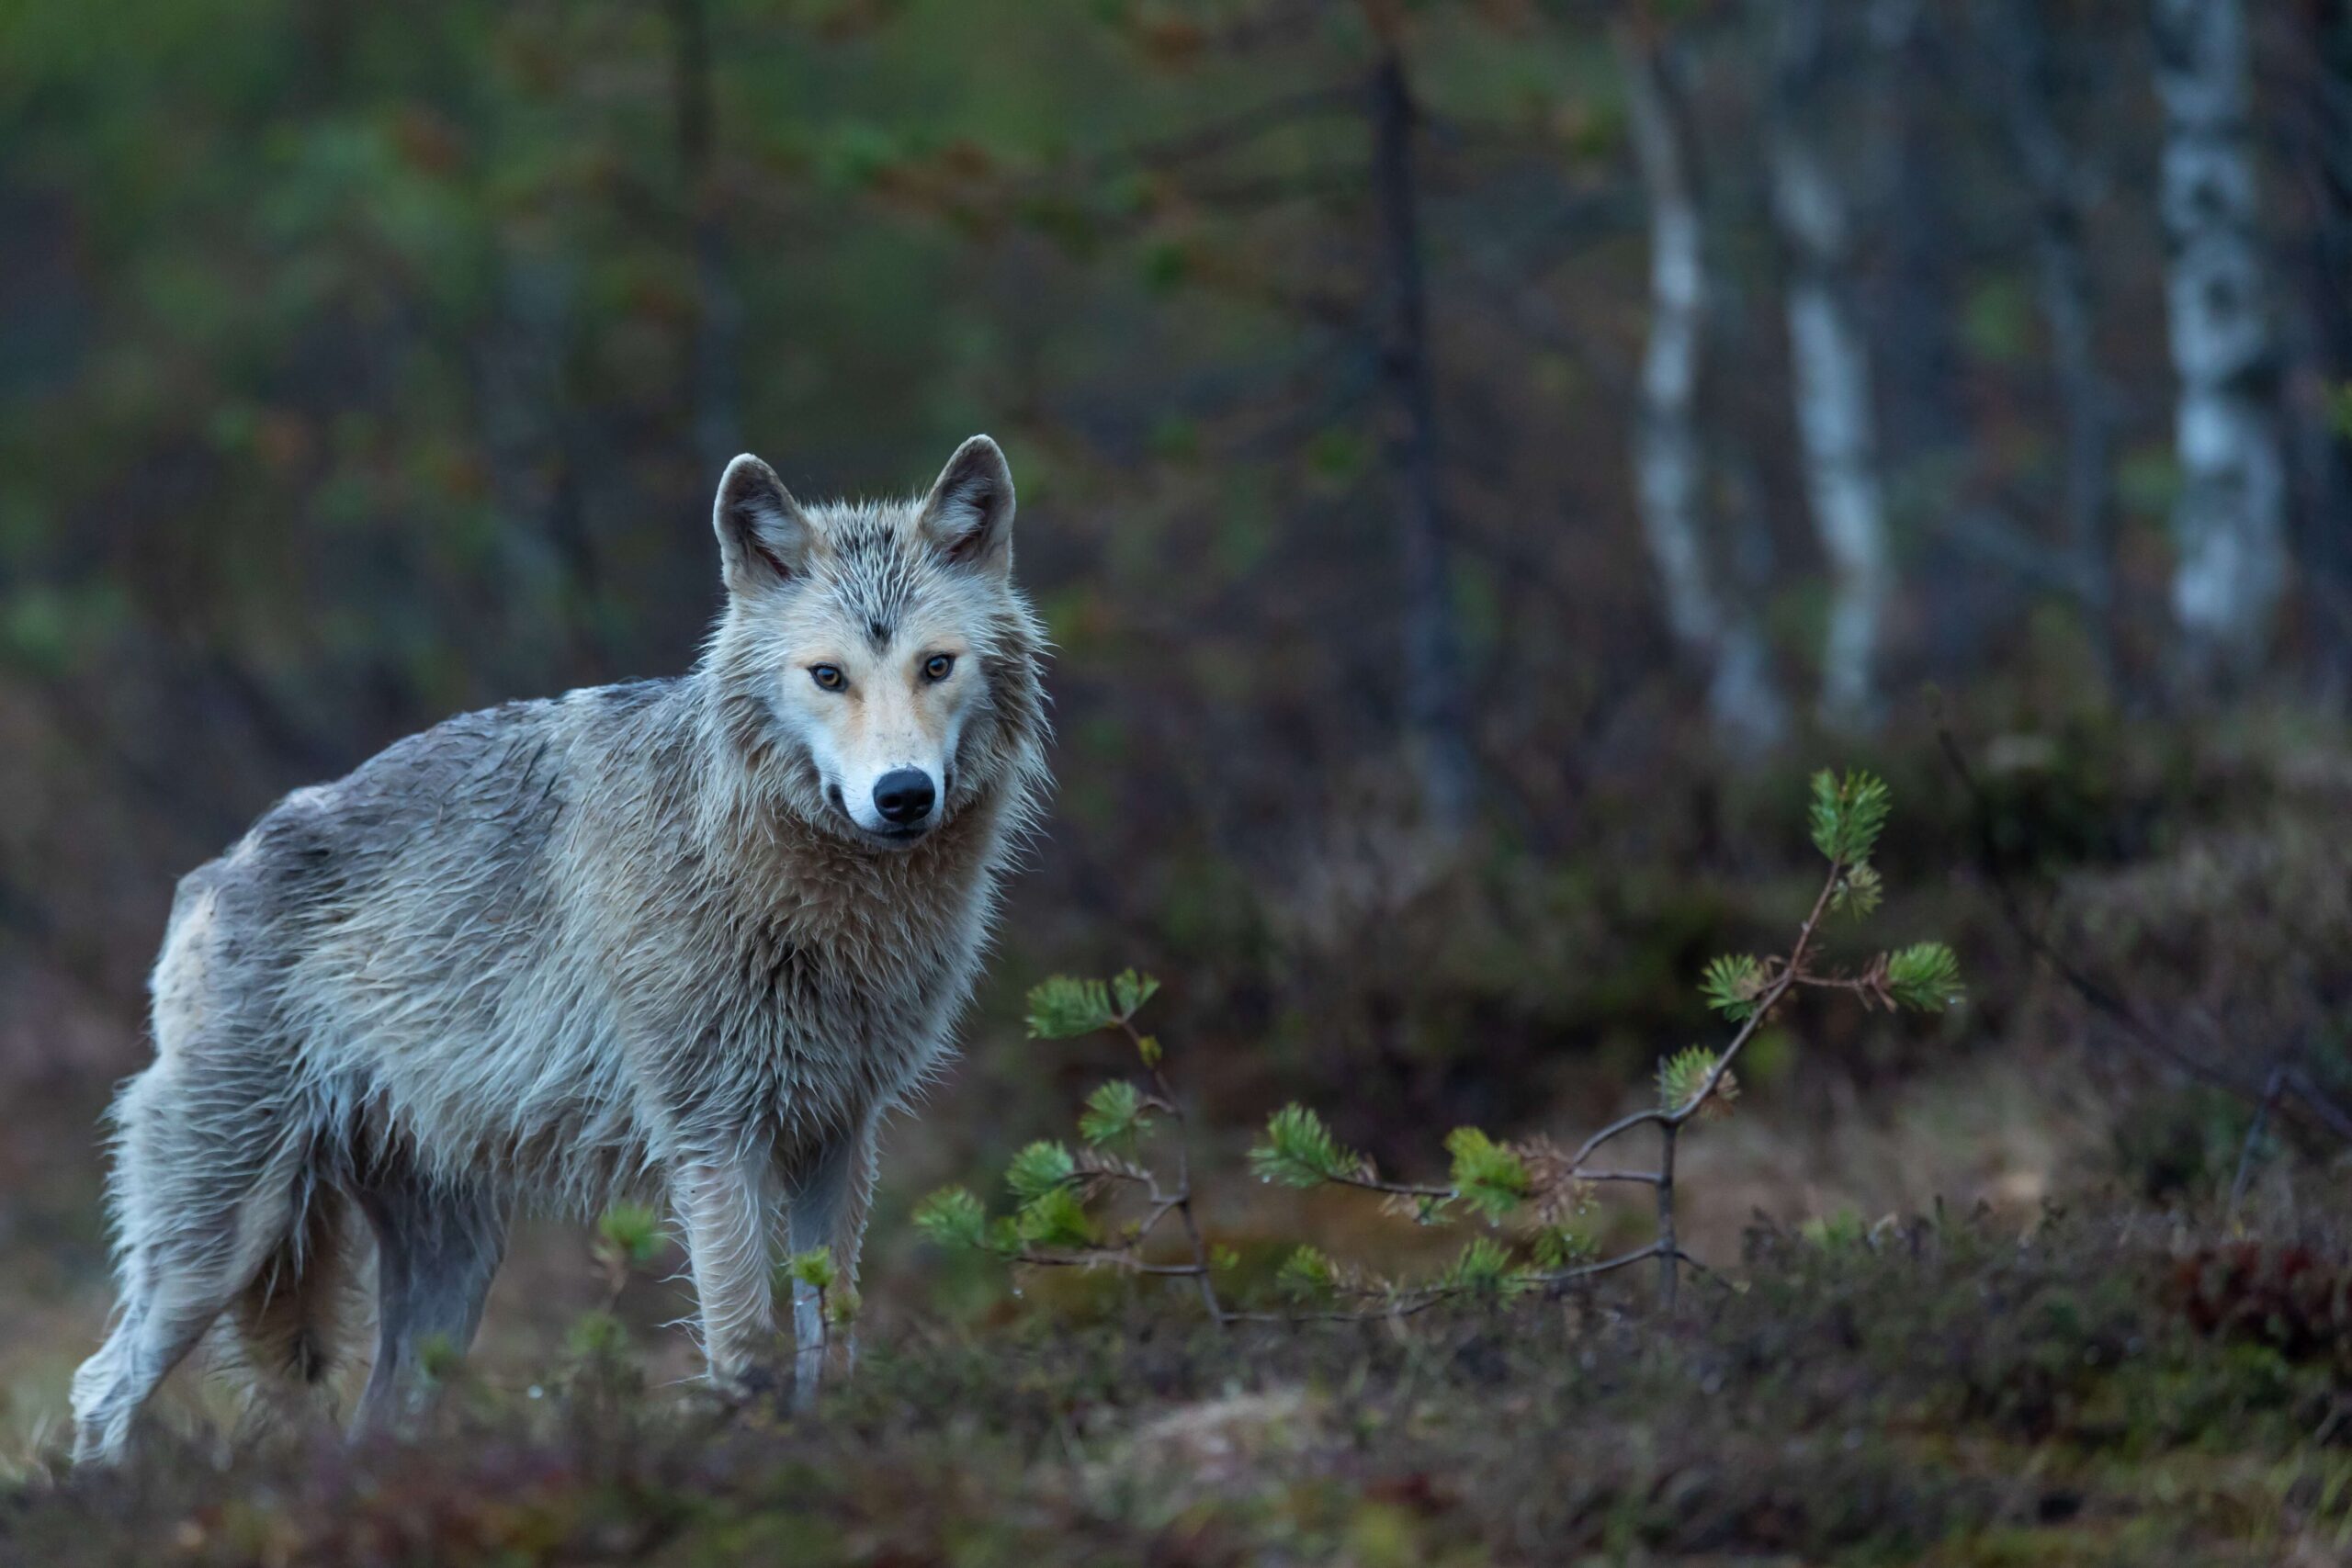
(723, 1206)
(828, 1209)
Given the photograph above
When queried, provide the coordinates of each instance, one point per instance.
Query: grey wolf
(686, 939)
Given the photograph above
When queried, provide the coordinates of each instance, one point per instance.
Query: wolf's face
(871, 639)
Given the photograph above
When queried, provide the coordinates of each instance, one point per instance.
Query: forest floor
(2144, 1389)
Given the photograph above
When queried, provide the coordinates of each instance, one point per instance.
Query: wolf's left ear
(967, 517)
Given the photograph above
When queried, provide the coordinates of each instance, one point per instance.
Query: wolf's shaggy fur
(625, 942)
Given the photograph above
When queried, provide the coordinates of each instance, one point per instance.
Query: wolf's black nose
(904, 796)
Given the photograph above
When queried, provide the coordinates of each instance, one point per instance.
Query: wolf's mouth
(896, 838)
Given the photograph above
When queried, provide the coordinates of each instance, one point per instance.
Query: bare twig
(2271, 1090)
(2102, 1000)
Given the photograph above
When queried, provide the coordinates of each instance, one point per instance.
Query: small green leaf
(596, 1336)
(953, 1217)
(1485, 1268)
(631, 1233)
(1306, 1274)
(813, 1268)
(1040, 1168)
(1131, 991)
(1556, 1246)
(1732, 984)
(1858, 890)
(1682, 1076)
(1056, 1217)
(1114, 1114)
(1924, 977)
(1062, 1007)
(1491, 1177)
(1299, 1151)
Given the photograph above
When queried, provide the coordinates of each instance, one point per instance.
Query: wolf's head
(876, 663)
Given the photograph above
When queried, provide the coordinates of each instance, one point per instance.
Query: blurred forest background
(1475, 459)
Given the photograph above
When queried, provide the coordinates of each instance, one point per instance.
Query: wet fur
(562, 952)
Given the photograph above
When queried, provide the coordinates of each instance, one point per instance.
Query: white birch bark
(2230, 519)
(1830, 363)
(1669, 464)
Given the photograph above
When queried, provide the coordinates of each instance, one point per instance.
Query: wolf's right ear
(764, 537)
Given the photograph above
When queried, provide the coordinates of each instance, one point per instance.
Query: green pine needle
(1682, 1076)
(1858, 891)
(813, 1268)
(1056, 1217)
(1732, 984)
(1063, 1008)
(1556, 1246)
(1485, 1268)
(1299, 1151)
(1307, 1274)
(631, 1233)
(1491, 1177)
(1924, 977)
(953, 1217)
(1848, 815)
(1114, 1114)
(1131, 991)
(1040, 1168)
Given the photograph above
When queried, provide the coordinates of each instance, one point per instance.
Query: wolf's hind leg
(437, 1248)
(198, 1212)
(286, 1330)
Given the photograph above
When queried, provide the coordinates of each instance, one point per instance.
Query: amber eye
(828, 676)
(938, 665)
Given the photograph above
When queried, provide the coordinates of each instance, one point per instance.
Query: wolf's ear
(967, 517)
(763, 538)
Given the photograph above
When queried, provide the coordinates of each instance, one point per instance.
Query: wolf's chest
(824, 1011)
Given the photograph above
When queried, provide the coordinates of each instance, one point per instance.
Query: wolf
(684, 940)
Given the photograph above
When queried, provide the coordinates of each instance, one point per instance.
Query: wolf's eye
(938, 665)
(828, 676)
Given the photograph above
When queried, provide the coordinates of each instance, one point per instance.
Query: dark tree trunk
(2323, 156)
(1924, 449)
(715, 392)
(1435, 726)
(2034, 89)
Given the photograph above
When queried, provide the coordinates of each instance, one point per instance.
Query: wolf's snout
(904, 797)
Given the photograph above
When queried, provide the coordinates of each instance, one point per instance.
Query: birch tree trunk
(2323, 152)
(1830, 363)
(1436, 734)
(1717, 632)
(2230, 521)
(2032, 91)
